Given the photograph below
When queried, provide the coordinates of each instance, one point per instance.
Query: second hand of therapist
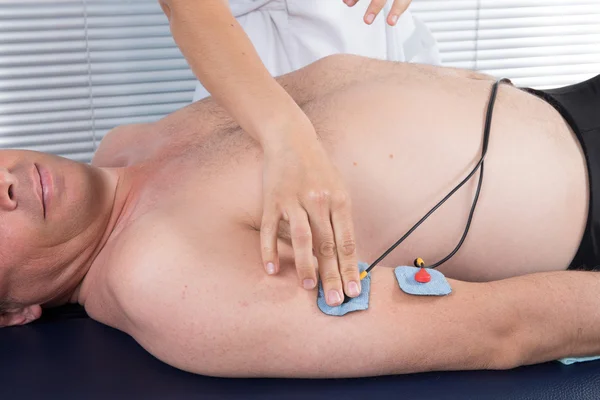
(300, 184)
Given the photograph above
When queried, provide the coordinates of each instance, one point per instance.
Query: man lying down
(160, 236)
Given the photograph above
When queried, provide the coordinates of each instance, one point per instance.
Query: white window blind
(71, 70)
(538, 43)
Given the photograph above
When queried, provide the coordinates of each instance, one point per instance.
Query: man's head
(52, 212)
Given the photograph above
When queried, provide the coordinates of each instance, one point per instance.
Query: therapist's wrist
(285, 131)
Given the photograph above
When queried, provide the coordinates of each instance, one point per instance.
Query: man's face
(46, 208)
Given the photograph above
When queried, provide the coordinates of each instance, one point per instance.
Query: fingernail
(394, 19)
(353, 289)
(333, 297)
(308, 284)
(370, 18)
(270, 268)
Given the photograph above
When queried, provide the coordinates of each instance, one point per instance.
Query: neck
(121, 185)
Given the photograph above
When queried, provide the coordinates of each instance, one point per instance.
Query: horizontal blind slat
(74, 125)
(518, 43)
(98, 102)
(94, 68)
(86, 146)
(514, 15)
(424, 6)
(101, 91)
(455, 31)
(44, 138)
(540, 71)
(39, 83)
(574, 54)
(82, 45)
(92, 8)
(15, 120)
(79, 21)
(48, 35)
(81, 57)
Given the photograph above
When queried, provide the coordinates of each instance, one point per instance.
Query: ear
(20, 316)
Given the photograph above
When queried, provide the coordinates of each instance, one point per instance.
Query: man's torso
(400, 146)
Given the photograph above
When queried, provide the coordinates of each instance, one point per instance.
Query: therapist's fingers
(268, 240)
(397, 9)
(374, 9)
(343, 227)
(302, 243)
(350, 3)
(318, 207)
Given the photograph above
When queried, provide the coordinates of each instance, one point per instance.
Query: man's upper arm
(220, 314)
(269, 326)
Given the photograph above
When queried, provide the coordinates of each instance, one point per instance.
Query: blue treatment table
(69, 356)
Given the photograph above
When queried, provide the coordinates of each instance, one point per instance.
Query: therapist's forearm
(225, 61)
(558, 315)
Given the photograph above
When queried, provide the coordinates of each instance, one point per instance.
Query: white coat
(290, 34)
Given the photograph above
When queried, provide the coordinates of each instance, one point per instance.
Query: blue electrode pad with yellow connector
(353, 304)
(437, 286)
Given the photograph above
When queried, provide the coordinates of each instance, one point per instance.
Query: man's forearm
(557, 315)
(225, 61)
(497, 325)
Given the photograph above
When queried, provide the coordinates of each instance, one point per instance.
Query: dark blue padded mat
(79, 358)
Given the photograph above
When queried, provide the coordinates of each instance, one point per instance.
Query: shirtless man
(159, 237)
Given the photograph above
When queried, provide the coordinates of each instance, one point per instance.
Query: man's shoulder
(123, 146)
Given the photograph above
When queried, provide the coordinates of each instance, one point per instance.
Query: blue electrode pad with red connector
(436, 286)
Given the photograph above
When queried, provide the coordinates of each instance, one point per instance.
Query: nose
(8, 183)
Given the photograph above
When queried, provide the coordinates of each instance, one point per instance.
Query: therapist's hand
(302, 187)
(376, 6)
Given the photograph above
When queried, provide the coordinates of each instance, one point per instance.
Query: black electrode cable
(484, 148)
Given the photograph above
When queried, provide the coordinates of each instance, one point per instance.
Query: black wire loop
(478, 166)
